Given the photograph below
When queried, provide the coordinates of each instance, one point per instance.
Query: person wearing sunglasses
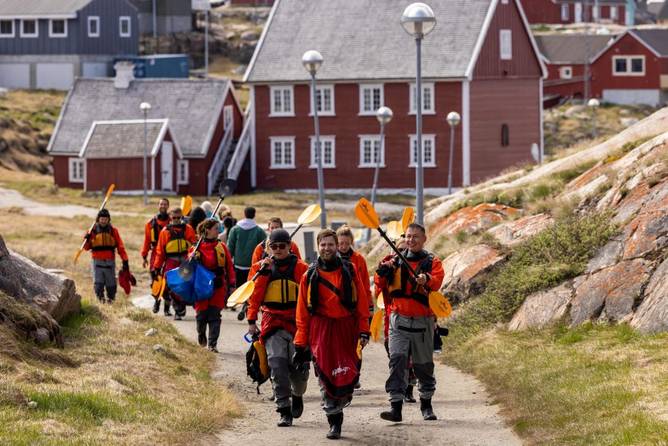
(275, 293)
(262, 249)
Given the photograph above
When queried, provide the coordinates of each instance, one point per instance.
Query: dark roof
(363, 39)
(571, 48)
(655, 7)
(123, 139)
(193, 108)
(9, 8)
(663, 13)
(600, 2)
(655, 38)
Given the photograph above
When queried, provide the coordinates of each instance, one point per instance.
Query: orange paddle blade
(376, 325)
(439, 304)
(241, 294)
(407, 218)
(366, 214)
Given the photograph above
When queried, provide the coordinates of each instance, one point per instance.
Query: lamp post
(453, 120)
(418, 20)
(312, 61)
(384, 116)
(145, 107)
(594, 103)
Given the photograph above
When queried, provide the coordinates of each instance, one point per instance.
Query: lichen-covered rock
(515, 232)
(607, 256)
(543, 308)
(474, 219)
(652, 314)
(465, 268)
(631, 203)
(646, 233)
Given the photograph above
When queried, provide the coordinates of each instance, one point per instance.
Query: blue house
(45, 44)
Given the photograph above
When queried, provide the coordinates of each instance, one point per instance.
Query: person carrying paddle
(173, 244)
(151, 233)
(214, 256)
(276, 290)
(261, 251)
(332, 319)
(411, 333)
(103, 240)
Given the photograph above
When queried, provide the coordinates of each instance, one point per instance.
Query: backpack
(257, 366)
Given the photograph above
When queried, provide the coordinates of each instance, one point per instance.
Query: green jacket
(242, 242)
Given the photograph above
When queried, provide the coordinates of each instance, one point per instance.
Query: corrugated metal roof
(657, 38)
(122, 139)
(363, 39)
(571, 48)
(40, 7)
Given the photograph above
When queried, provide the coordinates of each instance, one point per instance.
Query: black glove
(385, 271)
(301, 358)
(251, 322)
(154, 274)
(126, 265)
(217, 282)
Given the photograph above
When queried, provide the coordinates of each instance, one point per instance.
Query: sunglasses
(278, 245)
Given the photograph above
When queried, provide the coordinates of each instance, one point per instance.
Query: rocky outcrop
(542, 308)
(652, 314)
(465, 269)
(473, 219)
(515, 232)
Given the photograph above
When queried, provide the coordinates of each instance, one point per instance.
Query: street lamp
(384, 116)
(453, 120)
(145, 107)
(312, 61)
(594, 103)
(418, 20)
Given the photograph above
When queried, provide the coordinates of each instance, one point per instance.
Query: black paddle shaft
(227, 188)
(396, 250)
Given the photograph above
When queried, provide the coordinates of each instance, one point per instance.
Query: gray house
(47, 43)
(171, 16)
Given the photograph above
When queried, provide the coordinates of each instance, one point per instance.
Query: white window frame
(505, 44)
(323, 140)
(565, 12)
(90, 20)
(425, 111)
(628, 71)
(228, 117)
(121, 19)
(566, 72)
(363, 87)
(74, 175)
(24, 33)
(374, 139)
(282, 140)
(56, 35)
(411, 144)
(13, 34)
(595, 13)
(319, 89)
(614, 12)
(578, 12)
(182, 166)
(272, 106)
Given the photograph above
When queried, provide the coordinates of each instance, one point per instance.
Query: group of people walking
(308, 314)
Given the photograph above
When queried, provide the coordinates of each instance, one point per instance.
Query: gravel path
(461, 403)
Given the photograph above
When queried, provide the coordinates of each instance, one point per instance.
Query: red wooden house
(575, 11)
(633, 69)
(191, 133)
(480, 60)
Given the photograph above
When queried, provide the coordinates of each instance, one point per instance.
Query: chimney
(124, 74)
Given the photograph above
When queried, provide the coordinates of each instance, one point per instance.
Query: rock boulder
(652, 314)
(542, 308)
(515, 232)
(465, 269)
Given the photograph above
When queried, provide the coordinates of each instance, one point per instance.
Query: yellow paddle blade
(439, 304)
(380, 301)
(76, 255)
(366, 214)
(163, 285)
(407, 218)
(156, 286)
(186, 204)
(394, 230)
(241, 294)
(109, 192)
(376, 325)
(310, 214)
(359, 350)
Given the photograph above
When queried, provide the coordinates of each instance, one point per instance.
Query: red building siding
(573, 87)
(61, 168)
(346, 126)
(549, 12)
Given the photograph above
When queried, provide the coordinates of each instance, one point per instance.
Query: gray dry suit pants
(411, 337)
(104, 276)
(285, 379)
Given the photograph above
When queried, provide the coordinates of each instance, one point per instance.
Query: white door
(167, 165)
(57, 76)
(578, 13)
(15, 75)
(95, 69)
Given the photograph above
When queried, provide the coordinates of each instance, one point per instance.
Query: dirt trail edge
(465, 416)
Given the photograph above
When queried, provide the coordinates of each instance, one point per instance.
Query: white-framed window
(93, 26)
(324, 96)
(428, 151)
(282, 101)
(76, 170)
(282, 152)
(613, 13)
(577, 12)
(182, 172)
(565, 12)
(57, 28)
(428, 99)
(124, 26)
(371, 151)
(328, 144)
(565, 72)
(595, 13)
(371, 98)
(7, 28)
(29, 28)
(228, 117)
(628, 65)
(505, 44)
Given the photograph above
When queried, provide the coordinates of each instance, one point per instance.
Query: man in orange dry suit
(173, 244)
(260, 251)
(332, 319)
(276, 290)
(411, 321)
(103, 241)
(151, 233)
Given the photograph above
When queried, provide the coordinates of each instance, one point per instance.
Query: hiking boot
(297, 406)
(426, 409)
(408, 397)
(201, 340)
(213, 349)
(286, 417)
(168, 313)
(177, 317)
(358, 385)
(156, 306)
(394, 414)
(335, 422)
(242, 313)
